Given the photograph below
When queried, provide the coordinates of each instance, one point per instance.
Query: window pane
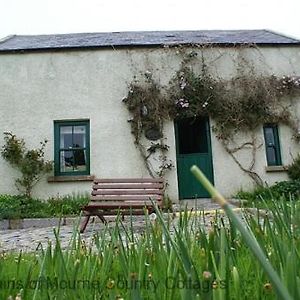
(79, 158)
(271, 155)
(66, 137)
(79, 137)
(73, 161)
(66, 161)
(269, 133)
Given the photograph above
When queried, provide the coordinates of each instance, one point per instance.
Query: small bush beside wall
(31, 163)
(294, 169)
(288, 189)
(15, 206)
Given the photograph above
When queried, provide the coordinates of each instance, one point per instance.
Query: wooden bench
(128, 196)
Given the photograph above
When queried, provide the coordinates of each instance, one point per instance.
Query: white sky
(69, 16)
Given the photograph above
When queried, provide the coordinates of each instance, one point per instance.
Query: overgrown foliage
(287, 189)
(238, 104)
(10, 207)
(30, 162)
(294, 169)
(17, 206)
(147, 105)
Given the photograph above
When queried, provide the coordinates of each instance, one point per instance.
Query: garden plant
(31, 163)
(184, 258)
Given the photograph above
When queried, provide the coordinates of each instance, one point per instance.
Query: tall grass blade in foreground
(249, 239)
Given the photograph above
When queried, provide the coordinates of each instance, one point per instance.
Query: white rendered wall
(38, 88)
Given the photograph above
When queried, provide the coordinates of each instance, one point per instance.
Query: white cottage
(68, 89)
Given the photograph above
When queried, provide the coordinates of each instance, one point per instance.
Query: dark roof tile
(146, 38)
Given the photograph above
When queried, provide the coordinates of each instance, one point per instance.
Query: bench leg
(84, 223)
(101, 217)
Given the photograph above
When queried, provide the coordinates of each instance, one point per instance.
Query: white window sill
(71, 178)
(276, 169)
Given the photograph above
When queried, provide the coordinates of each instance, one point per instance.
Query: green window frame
(272, 145)
(71, 147)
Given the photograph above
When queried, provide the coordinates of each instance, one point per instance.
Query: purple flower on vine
(290, 81)
(182, 83)
(182, 103)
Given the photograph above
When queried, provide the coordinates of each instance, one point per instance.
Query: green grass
(188, 263)
(248, 237)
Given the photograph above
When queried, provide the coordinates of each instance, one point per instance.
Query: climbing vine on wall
(148, 108)
(239, 104)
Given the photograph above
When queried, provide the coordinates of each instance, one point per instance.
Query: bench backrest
(128, 189)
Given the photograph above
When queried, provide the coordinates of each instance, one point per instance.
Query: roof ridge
(151, 31)
(282, 35)
(152, 38)
(6, 38)
(143, 31)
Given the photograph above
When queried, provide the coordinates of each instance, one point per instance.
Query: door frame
(209, 148)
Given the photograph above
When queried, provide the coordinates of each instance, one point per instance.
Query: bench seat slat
(136, 186)
(125, 197)
(125, 212)
(127, 192)
(128, 180)
(105, 205)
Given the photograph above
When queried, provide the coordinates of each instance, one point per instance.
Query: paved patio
(30, 239)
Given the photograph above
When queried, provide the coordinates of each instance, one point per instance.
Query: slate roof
(142, 39)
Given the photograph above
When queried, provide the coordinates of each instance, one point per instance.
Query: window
(272, 145)
(72, 147)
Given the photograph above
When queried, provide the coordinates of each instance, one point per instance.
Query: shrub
(167, 203)
(31, 163)
(288, 189)
(34, 208)
(67, 205)
(10, 207)
(16, 206)
(257, 194)
(294, 169)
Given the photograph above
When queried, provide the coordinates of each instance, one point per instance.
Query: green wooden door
(193, 147)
